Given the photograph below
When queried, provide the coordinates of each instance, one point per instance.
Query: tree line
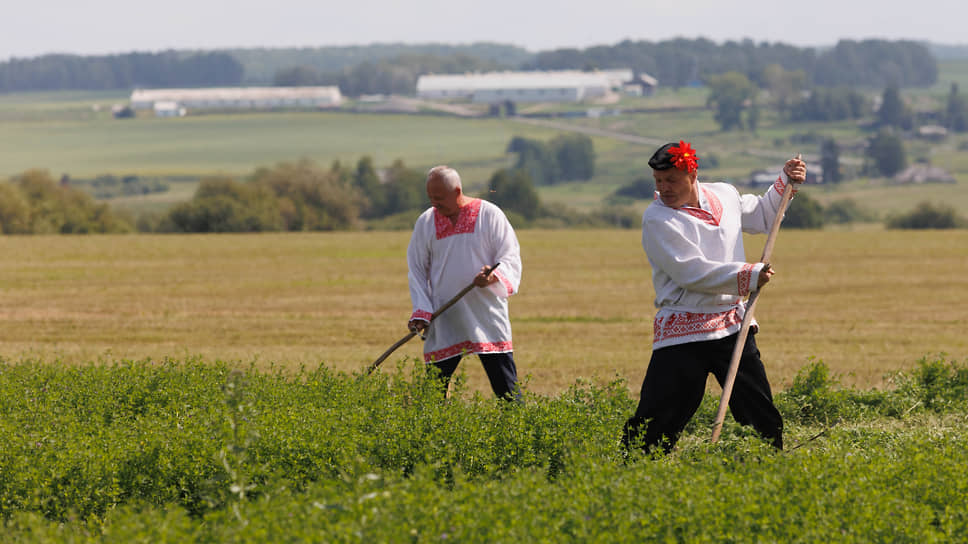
(394, 68)
(682, 62)
(126, 71)
(305, 196)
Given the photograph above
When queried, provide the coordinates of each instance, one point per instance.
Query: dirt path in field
(778, 155)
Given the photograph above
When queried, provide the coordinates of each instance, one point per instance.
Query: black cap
(662, 159)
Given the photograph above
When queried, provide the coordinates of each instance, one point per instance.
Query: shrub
(845, 211)
(928, 216)
(641, 188)
(803, 213)
(937, 384)
(36, 204)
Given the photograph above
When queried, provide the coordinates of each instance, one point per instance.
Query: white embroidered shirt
(699, 266)
(443, 258)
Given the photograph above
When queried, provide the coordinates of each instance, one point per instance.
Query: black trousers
(500, 369)
(675, 383)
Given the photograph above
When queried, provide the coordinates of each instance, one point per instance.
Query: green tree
(830, 161)
(297, 76)
(313, 198)
(886, 152)
(804, 213)
(845, 211)
(59, 208)
(14, 210)
(641, 188)
(829, 105)
(892, 112)
(956, 111)
(783, 85)
(512, 190)
(575, 155)
(367, 181)
(222, 204)
(728, 94)
(753, 116)
(406, 189)
(537, 159)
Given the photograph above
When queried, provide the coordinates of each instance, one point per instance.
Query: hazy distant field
(866, 303)
(237, 144)
(65, 134)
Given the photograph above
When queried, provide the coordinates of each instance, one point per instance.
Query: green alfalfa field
(211, 388)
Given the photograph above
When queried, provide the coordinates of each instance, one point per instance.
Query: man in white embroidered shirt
(693, 237)
(455, 241)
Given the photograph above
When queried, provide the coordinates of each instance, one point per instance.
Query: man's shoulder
(426, 214)
(657, 211)
(719, 185)
(491, 209)
(488, 205)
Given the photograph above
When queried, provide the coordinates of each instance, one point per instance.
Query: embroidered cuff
(421, 315)
(745, 280)
(503, 285)
(781, 182)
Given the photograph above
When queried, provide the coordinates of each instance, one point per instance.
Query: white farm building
(496, 87)
(238, 98)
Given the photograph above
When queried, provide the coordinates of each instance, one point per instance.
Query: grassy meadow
(206, 388)
(75, 134)
(866, 303)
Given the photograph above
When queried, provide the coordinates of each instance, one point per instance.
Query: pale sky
(34, 27)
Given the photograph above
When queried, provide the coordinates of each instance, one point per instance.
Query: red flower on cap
(684, 157)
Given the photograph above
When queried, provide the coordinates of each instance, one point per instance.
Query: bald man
(455, 241)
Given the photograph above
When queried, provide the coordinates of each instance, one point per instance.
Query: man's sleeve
(760, 211)
(418, 264)
(505, 249)
(684, 262)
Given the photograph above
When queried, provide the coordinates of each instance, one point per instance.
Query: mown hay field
(866, 303)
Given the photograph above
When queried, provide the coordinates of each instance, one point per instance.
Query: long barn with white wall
(239, 98)
(496, 87)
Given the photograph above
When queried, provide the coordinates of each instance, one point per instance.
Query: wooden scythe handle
(748, 317)
(439, 311)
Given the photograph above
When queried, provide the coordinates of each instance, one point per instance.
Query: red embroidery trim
(505, 281)
(468, 347)
(712, 217)
(466, 220)
(779, 186)
(744, 278)
(421, 314)
(689, 323)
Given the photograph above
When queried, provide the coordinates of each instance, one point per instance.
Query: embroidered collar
(710, 209)
(466, 220)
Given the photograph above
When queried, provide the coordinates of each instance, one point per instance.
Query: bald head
(445, 175)
(444, 190)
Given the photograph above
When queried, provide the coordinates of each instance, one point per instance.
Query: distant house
(238, 98)
(641, 85)
(502, 87)
(932, 132)
(924, 173)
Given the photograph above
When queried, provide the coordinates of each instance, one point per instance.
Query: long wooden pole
(413, 333)
(748, 317)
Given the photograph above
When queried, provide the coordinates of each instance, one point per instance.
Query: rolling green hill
(75, 134)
